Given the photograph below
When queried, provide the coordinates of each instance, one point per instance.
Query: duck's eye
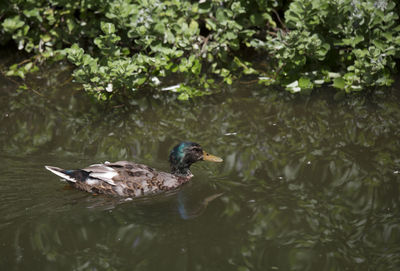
(197, 150)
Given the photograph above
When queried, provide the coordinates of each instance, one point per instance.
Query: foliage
(352, 43)
(121, 46)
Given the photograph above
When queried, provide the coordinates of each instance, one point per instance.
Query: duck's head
(185, 154)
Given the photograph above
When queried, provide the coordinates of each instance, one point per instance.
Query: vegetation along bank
(120, 46)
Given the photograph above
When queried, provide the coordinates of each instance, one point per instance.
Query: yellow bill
(211, 158)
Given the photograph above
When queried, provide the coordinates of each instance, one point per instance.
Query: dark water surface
(308, 183)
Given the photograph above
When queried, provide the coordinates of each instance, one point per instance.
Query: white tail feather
(58, 172)
(105, 176)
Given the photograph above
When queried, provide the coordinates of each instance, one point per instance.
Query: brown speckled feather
(129, 179)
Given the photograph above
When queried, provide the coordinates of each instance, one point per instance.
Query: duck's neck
(181, 171)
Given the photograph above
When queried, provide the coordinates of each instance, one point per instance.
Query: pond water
(307, 182)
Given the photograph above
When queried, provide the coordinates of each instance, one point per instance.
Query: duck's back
(121, 178)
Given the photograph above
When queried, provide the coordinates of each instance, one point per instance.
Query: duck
(129, 179)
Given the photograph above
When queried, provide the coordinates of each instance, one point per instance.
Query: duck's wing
(101, 172)
(138, 179)
(118, 171)
(121, 178)
(124, 171)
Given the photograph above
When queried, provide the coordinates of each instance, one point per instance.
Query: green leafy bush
(120, 46)
(351, 43)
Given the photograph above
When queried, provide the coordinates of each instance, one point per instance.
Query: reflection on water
(187, 213)
(308, 183)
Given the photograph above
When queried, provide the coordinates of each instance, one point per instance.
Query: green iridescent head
(185, 154)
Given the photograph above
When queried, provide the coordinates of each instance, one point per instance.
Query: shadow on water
(308, 183)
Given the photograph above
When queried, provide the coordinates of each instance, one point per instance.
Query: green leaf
(339, 83)
(210, 24)
(159, 27)
(204, 7)
(12, 24)
(358, 39)
(28, 66)
(140, 80)
(107, 28)
(230, 35)
(71, 25)
(380, 45)
(183, 96)
(305, 83)
(220, 15)
(193, 27)
(45, 37)
(33, 13)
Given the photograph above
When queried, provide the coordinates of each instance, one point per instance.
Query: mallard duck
(128, 179)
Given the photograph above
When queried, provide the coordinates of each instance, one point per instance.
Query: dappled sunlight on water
(307, 183)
